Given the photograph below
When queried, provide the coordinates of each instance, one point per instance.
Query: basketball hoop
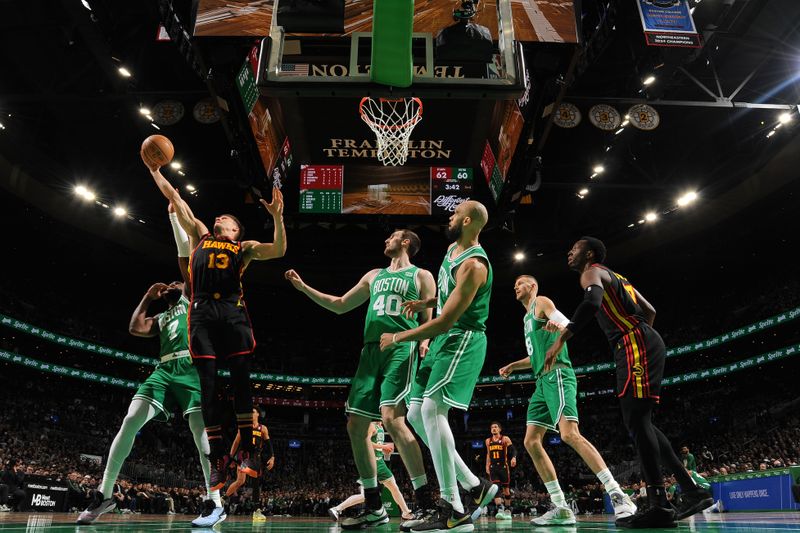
(392, 121)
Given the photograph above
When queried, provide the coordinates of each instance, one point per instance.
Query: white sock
(443, 449)
(557, 497)
(608, 481)
(355, 499)
(140, 412)
(464, 475)
(197, 427)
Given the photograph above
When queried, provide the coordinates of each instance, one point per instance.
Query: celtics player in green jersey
(174, 383)
(377, 437)
(383, 378)
(447, 376)
(554, 406)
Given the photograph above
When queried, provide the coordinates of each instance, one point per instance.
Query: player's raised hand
(506, 370)
(295, 279)
(275, 207)
(149, 164)
(156, 290)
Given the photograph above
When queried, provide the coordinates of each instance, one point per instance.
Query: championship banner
(668, 23)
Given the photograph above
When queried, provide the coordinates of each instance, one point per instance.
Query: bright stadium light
(583, 192)
(175, 165)
(120, 211)
(125, 73)
(80, 190)
(650, 217)
(190, 187)
(649, 80)
(785, 117)
(144, 111)
(599, 169)
(519, 256)
(687, 198)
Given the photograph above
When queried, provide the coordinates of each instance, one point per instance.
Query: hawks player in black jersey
(639, 352)
(219, 325)
(262, 446)
(500, 455)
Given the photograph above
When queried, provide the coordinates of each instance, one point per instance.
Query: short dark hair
(595, 245)
(498, 424)
(414, 242)
(238, 223)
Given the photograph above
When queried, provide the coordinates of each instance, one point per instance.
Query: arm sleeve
(181, 238)
(592, 299)
(558, 317)
(512, 452)
(268, 447)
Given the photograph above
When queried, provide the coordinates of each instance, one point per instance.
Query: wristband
(394, 338)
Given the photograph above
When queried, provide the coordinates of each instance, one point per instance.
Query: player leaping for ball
(219, 324)
(554, 406)
(383, 379)
(174, 382)
(447, 376)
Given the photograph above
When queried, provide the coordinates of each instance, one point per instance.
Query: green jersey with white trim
(387, 291)
(538, 340)
(173, 331)
(474, 317)
(378, 438)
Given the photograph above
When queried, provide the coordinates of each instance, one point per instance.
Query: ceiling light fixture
(120, 211)
(144, 111)
(125, 73)
(519, 256)
(650, 217)
(599, 169)
(648, 80)
(785, 117)
(687, 198)
(190, 187)
(583, 192)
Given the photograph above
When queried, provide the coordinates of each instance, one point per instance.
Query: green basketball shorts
(555, 397)
(172, 385)
(382, 378)
(452, 366)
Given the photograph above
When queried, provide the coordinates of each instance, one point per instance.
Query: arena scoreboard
(366, 189)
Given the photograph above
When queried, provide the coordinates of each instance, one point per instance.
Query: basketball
(158, 149)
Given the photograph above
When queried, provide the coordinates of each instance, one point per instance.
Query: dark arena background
(667, 129)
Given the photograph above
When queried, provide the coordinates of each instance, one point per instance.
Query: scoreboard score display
(367, 189)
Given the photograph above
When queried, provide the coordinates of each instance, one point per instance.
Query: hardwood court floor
(63, 523)
(534, 20)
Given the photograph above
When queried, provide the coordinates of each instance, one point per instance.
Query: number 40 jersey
(388, 290)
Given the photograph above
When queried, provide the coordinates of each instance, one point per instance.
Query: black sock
(423, 496)
(372, 498)
(657, 496)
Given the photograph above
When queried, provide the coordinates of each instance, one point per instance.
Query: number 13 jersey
(388, 290)
(216, 268)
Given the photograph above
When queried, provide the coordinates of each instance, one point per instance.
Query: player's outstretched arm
(261, 251)
(510, 368)
(141, 325)
(472, 274)
(338, 304)
(193, 227)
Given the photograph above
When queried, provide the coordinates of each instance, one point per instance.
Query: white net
(392, 121)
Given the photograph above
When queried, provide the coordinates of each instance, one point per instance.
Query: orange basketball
(158, 149)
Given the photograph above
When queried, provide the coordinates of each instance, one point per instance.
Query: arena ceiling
(70, 117)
